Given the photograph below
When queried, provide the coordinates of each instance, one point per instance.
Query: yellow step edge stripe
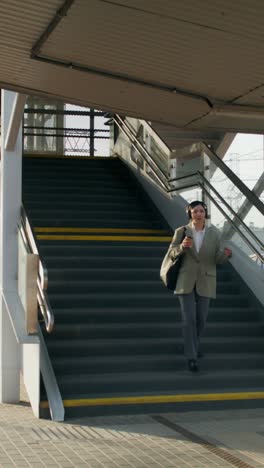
(159, 399)
(103, 230)
(104, 238)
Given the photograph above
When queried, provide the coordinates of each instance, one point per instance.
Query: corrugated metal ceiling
(127, 56)
(136, 43)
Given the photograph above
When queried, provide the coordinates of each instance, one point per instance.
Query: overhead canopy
(194, 65)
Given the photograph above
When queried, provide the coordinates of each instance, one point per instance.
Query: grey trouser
(194, 309)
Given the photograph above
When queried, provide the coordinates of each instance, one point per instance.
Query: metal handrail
(201, 176)
(42, 280)
(251, 196)
(241, 222)
(159, 173)
(133, 138)
(246, 240)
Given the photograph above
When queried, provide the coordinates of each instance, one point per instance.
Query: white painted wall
(14, 341)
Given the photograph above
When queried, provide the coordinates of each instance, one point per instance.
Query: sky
(248, 150)
(245, 157)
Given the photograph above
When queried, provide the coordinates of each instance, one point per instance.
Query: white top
(198, 237)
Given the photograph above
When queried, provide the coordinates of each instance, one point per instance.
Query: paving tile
(135, 441)
(7, 465)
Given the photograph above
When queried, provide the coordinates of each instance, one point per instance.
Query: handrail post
(42, 277)
(27, 285)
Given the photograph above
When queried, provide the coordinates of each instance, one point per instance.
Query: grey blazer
(198, 268)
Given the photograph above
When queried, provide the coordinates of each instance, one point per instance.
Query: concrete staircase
(117, 344)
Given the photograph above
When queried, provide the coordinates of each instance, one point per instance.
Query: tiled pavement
(196, 439)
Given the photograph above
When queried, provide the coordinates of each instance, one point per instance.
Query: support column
(10, 187)
(92, 149)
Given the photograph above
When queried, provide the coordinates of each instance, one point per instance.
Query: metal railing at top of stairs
(42, 280)
(201, 181)
(169, 186)
(202, 147)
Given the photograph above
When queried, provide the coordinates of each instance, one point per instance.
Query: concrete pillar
(10, 187)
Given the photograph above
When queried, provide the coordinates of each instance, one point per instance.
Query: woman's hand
(187, 242)
(228, 252)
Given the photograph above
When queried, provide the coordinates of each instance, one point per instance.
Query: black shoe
(192, 365)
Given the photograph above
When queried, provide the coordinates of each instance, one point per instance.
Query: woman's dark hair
(193, 205)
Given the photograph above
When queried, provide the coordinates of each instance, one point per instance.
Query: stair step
(150, 314)
(116, 250)
(86, 207)
(98, 222)
(78, 190)
(79, 180)
(94, 204)
(154, 363)
(140, 299)
(116, 274)
(138, 215)
(77, 197)
(74, 261)
(129, 346)
(75, 285)
(166, 329)
(116, 245)
(176, 382)
(65, 173)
